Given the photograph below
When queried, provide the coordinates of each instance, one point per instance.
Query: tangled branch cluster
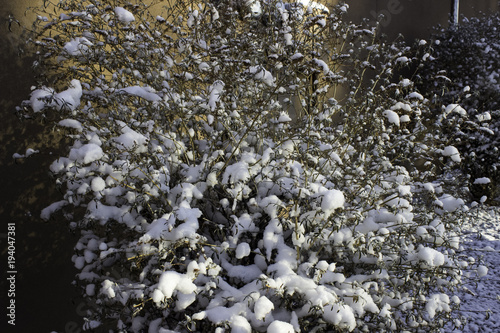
(464, 71)
(220, 186)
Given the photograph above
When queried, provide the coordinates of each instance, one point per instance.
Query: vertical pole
(455, 12)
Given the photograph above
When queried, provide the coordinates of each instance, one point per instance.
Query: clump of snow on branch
(124, 15)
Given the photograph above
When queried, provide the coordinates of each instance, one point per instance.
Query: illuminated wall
(412, 18)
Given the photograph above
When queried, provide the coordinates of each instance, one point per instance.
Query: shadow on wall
(40, 295)
(41, 291)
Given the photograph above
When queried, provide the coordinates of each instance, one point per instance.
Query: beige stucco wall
(412, 18)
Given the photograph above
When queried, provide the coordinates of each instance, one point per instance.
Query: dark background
(415, 18)
(45, 298)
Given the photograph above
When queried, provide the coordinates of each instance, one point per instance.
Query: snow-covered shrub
(464, 74)
(203, 207)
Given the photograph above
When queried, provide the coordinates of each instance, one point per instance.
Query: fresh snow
(107, 289)
(171, 282)
(314, 5)
(331, 200)
(323, 65)
(416, 95)
(261, 74)
(480, 302)
(98, 184)
(402, 60)
(48, 211)
(455, 108)
(28, 153)
(263, 306)
(124, 15)
(449, 203)
(242, 250)
(392, 117)
(431, 257)
(486, 116)
(452, 152)
(401, 106)
(130, 139)
(437, 303)
(280, 327)
(37, 96)
(214, 95)
(482, 180)
(87, 153)
(77, 46)
(71, 123)
(284, 117)
(69, 98)
(143, 92)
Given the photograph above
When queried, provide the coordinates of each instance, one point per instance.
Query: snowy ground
(482, 239)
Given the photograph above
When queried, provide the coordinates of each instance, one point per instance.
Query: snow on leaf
(278, 326)
(392, 117)
(331, 200)
(242, 250)
(86, 154)
(124, 15)
(144, 92)
(77, 46)
(402, 60)
(314, 5)
(323, 65)
(37, 96)
(452, 152)
(171, 282)
(297, 56)
(190, 217)
(341, 316)
(284, 117)
(482, 180)
(98, 184)
(431, 257)
(51, 209)
(437, 303)
(69, 98)
(131, 139)
(71, 123)
(215, 91)
(108, 289)
(482, 271)
(455, 108)
(263, 75)
(486, 116)
(449, 203)
(416, 95)
(238, 172)
(401, 106)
